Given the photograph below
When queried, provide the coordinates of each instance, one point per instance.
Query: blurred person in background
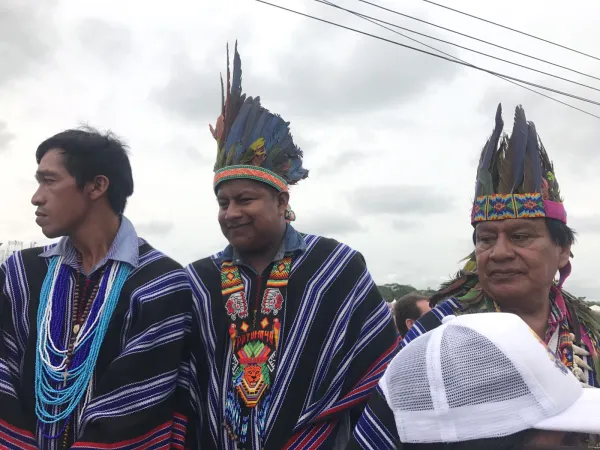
(408, 309)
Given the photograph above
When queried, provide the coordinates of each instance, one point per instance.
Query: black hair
(406, 308)
(560, 233)
(89, 153)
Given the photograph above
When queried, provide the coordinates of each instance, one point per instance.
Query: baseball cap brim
(583, 416)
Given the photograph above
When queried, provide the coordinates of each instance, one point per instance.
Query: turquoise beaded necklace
(58, 391)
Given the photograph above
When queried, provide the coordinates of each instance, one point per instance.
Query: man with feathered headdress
(293, 331)
(521, 242)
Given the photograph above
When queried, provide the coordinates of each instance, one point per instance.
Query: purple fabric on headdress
(564, 274)
(555, 210)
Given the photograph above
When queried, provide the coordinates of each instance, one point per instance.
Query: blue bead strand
(51, 388)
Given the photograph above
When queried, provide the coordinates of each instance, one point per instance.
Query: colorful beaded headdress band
(516, 180)
(253, 143)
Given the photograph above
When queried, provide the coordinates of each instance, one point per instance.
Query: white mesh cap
(482, 376)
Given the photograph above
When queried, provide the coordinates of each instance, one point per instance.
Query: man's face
(423, 306)
(61, 205)
(250, 213)
(516, 258)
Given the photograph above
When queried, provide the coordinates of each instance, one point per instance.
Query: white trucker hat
(483, 376)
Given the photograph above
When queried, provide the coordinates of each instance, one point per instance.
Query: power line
(512, 29)
(556, 91)
(458, 59)
(478, 39)
(325, 2)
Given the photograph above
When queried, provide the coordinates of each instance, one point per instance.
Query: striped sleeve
(14, 430)
(376, 428)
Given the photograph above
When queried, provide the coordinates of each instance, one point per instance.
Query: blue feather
(259, 128)
(236, 82)
(269, 134)
(237, 129)
(282, 130)
(296, 171)
(253, 116)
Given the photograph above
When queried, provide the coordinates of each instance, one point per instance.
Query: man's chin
(506, 293)
(51, 233)
(244, 244)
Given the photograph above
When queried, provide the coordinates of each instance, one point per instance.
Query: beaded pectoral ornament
(66, 355)
(254, 343)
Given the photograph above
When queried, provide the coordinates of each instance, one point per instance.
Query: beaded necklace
(254, 346)
(62, 375)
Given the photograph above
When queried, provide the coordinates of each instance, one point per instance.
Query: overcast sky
(391, 137)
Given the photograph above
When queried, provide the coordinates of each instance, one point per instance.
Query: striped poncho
(337, 337)
(140, 382)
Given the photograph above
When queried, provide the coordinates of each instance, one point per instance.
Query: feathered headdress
(515, 179)
(252, 142)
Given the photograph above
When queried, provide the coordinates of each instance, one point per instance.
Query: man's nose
(38, 198)
(502, 249)
(233, 211)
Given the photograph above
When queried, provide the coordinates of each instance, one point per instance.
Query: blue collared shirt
(292, 243)
(125, 248)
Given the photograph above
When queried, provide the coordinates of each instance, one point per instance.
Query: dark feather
(222, 96)
(484, 180)
(532, 176)
(497, 162)
(511, 171)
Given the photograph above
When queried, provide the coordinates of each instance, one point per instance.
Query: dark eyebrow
(39, 174)
(239, 194)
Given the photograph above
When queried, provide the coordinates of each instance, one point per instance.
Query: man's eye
(520, 237)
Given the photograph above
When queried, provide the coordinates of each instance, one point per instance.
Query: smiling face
(251, 214)
(61, 204)
(517, 259)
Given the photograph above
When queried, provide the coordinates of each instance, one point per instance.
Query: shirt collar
(293, 242)
(125, 248)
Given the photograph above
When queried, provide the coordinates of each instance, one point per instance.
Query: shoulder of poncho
(28, 256)
(146, 250)
(324, 243)
(205, 265)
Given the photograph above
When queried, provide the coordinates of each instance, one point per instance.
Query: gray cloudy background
(391, 137)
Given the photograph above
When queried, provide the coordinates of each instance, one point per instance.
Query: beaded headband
(250, 173)
(516, 180)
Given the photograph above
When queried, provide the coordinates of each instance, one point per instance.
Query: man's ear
(564, 256)
(409, 323)
(98, 187)
(283, 200)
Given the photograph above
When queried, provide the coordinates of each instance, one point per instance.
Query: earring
(289, 216)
